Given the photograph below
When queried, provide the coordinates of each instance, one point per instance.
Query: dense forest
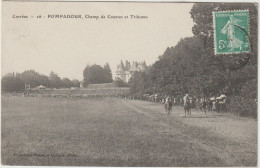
(93, 74)
(192, 66)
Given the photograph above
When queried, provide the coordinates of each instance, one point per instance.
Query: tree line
(17, 81)
(93, 74)
(192, 66)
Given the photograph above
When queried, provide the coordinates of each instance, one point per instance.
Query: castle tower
(120, 72)
(127, 65)
(125, 72)
(142, 66)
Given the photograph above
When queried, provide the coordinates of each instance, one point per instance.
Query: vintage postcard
(133, 84)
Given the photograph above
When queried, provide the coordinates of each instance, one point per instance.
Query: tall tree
(75, 83)
(66, 83)
(94, 74)
(140, 83)
(31, 77)
(108, 73)
(55, 81)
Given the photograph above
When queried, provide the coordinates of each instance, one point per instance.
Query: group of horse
(186, 105)
(203, 104)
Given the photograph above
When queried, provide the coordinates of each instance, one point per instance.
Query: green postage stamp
(231, 32)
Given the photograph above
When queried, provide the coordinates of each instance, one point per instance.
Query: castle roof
(120, 67)
(142, 66)
(127, 65)
(135, 66)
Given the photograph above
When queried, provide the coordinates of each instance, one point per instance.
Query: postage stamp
(231, 32)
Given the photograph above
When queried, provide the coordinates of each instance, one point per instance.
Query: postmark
(231, 32)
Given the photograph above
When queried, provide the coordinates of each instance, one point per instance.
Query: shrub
(245, 104)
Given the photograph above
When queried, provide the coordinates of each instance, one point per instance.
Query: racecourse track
(118, 132)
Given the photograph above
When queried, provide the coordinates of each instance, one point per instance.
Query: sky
(66, 46)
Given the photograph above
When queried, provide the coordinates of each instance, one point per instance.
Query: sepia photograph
(129, 84)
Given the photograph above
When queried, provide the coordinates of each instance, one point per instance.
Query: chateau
(125, 72)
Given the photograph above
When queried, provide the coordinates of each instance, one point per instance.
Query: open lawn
(117, 132)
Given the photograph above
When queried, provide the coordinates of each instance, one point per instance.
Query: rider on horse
(168, 106)
(186, 105)
(186, 99)
(168, 100)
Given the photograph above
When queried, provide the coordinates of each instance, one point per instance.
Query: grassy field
(117, 132)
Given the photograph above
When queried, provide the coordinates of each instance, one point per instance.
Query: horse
(204, 105)
(187, 108)
(209, 105)
(168, 108)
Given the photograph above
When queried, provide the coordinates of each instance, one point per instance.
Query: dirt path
(231, 138)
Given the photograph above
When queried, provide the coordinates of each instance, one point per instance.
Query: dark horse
(168, 108)
(187, 108)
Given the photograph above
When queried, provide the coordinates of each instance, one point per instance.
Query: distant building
(125, 72)
(41, 87)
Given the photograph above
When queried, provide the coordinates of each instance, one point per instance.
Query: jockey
(168, 100)
(186, 99)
